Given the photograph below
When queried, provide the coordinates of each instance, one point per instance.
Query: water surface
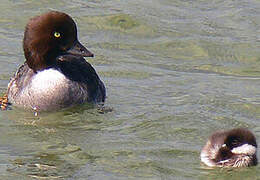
(175, 71)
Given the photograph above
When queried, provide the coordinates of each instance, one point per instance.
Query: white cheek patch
(244, 149)
(47, 80)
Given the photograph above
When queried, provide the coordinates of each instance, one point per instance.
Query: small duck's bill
(79, 50)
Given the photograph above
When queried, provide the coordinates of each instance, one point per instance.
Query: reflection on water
(174, 70)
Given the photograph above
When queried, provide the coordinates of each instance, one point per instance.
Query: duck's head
(48, 36)
(233, 148)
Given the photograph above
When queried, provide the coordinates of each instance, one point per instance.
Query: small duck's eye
(56, 34)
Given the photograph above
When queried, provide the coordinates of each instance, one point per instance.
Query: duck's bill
(79, 50)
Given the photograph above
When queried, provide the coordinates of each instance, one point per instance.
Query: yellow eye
(57, 34)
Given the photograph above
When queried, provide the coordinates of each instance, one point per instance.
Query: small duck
(55, 74)
(232, 148)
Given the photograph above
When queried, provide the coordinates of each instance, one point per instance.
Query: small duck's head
(233, 148)
(48, 36)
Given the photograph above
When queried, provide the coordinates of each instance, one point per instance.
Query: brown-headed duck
(55, 75)
(232, 148)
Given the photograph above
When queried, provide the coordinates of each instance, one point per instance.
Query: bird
(231, 148)
(55, 74)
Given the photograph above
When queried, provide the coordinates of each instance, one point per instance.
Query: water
(175, 71)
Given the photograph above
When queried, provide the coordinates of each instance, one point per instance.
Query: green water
(175, 71)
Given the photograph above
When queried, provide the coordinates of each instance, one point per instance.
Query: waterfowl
(55, 74)
(231, 148)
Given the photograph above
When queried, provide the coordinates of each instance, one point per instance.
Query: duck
(55, 74)
(231, 148)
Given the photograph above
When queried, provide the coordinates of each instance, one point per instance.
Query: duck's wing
(20, 80)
